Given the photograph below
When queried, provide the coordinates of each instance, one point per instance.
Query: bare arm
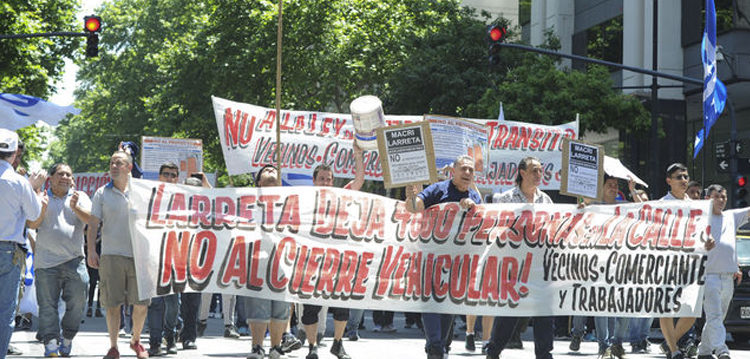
(359, 169)
(414, 204)
(38, 222)
(93, 257)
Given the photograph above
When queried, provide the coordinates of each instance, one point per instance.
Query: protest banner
(350, 249)
(186, 153)
(87, 182)
(510, 142)
(408, 156)
(582, 170)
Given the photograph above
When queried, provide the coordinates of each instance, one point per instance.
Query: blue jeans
(579, 326)
(190, 304)
(438, 332)
(355, 317)
(162, 318)
(10, 276)
(640, 329)
(71, 280)
(611, 330)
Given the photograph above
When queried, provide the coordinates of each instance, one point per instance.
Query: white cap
(8, 140)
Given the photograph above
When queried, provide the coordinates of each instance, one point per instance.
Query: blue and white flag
(18, 111)
(714, 91)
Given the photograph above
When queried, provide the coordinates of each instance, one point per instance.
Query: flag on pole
(18, 111)
(501, 116)
(714, 91)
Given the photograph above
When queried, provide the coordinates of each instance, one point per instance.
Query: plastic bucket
(367, 115)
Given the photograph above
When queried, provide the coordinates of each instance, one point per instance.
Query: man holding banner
(438, 327)
(526, 191)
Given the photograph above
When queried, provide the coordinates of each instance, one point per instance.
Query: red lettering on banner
(341, 225)
(268, 203)
(267, 123)
(225, 214)
(441, 288)
(508, 281)
(402, 218)
(234, 268)
(363, 271)
(690, 231)
(345, 280)
(427, 278)
(200, 207)
(459, 277)
(358, 228)
(311, 269)
(176, 211)
(324, 213)
(153, 217)
(245, 207)
(201, 266)
(298, 273)
(403, 266)
(471, 222)
(237, 131)
(276, 278)
(444, 221)
(490, 282)
(523, 291)
(328, 272)
(385, 272)
(414, 276)
(482, 235)
(254, 281)
(173, 261)
(289, 218)
(473, 294)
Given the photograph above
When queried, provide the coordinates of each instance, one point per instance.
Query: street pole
(278, 96)
(654, 136)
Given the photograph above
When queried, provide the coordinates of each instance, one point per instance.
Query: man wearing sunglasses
(162, 312)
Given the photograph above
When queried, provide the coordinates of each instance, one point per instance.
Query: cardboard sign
(582, 170)
(407, 155)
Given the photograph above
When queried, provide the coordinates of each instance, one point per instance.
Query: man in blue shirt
(19, 204)
(438, 327)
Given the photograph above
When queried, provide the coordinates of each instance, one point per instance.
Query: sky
(65, 88)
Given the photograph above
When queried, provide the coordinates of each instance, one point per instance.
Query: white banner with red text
(341, 248)
(248, 141)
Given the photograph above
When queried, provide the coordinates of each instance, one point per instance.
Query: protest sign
(582, 170)
(186, 153)
(407, 154)
(510, 142)
(350, 249)
(453, 137)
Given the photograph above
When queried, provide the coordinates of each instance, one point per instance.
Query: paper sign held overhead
(582, 170)
(407, 155)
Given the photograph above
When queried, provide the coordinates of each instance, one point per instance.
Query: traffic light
(92, 25)
(495, 35)
(740, 192)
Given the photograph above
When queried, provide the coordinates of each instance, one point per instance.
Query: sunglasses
(684, 177)
(168, 174)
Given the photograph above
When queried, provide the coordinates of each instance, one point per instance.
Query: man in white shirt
(19, 204)
(721, 271)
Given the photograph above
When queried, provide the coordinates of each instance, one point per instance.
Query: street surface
(92, 342)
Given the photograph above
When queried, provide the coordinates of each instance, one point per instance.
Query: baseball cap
(8, 140)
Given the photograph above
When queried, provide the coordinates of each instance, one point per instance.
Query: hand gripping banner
(352, 249)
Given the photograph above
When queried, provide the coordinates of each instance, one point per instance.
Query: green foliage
(30, 66)
(161, 60)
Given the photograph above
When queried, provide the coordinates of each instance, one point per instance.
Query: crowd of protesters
(82, 246)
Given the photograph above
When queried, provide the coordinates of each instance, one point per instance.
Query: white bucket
(367, 114)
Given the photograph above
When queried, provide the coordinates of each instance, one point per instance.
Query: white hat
(8, 140)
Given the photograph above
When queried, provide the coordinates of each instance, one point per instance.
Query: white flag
(18, 111)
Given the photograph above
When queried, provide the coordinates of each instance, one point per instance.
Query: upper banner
(248, 141)
(351, 249)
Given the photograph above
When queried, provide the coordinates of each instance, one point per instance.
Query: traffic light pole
(42, 34)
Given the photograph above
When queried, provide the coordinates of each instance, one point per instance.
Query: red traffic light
(92, 23)
(741, 181)
(497, 33)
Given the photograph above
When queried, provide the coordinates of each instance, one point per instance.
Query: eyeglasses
(682, 177)
(168, 174)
